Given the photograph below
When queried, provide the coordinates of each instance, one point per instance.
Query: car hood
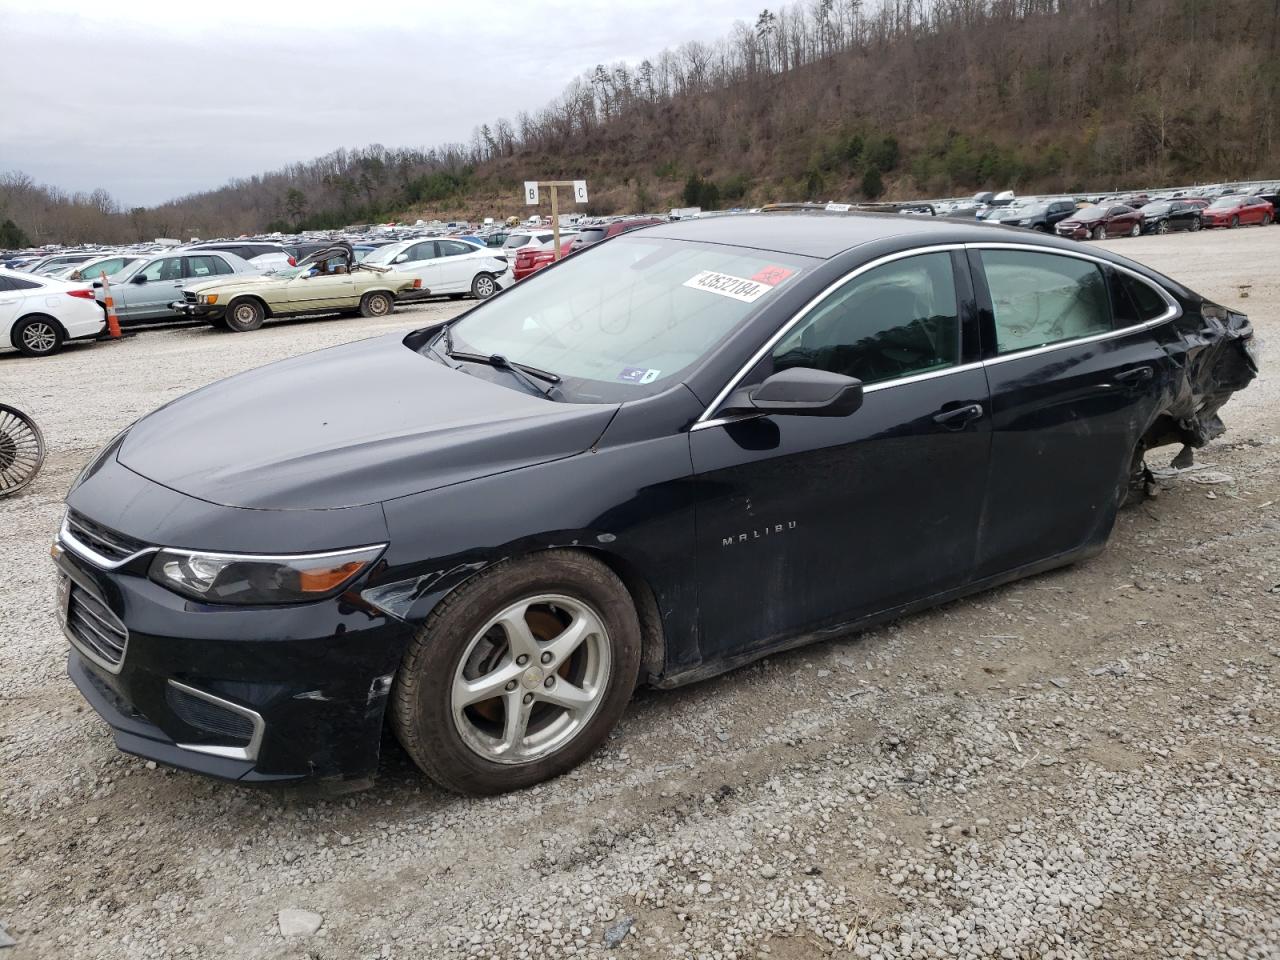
(241, 280)
(355, 424)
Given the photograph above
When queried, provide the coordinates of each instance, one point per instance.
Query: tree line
(822, 99)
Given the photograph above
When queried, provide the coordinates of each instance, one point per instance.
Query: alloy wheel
(484, 287)
(39, 337)
(531, 679)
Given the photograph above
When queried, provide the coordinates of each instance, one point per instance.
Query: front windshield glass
(385, 254)
(1225, 203)
(622, 320)
(1156, 209)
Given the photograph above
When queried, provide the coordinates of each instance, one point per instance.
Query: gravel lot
(1080, 765)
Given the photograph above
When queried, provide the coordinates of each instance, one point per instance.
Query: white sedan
(447, 265)
(41, 313)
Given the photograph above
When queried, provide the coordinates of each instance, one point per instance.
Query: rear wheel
(37, 336)
(483, 286)
(1135, 230)
(244, 315)
(376, 304)
(519, 674)
(1266, 219)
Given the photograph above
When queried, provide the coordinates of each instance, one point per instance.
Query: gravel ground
(1080, 765)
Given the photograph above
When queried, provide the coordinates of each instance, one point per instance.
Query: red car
(532, 259)
(1237, 211)
(594, 234)
(1098, 223)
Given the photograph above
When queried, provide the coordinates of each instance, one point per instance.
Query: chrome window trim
(231, 753)
(86, 552)
(1174, 310)
(705, 419)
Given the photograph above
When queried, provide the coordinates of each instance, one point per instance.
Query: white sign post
(531, 199)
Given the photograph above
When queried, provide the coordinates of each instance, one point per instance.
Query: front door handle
(960, 417)
(1135, 376)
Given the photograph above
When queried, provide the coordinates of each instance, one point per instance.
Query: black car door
(806, 522)
(1075, 381)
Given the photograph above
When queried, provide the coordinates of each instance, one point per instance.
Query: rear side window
(204, 266)
(894, 321)
(19, 283)
(1039, 298)
(453, 248)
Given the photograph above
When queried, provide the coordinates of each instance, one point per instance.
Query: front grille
(199, 713)
(188, 296)
(102, 540)
(96, 629)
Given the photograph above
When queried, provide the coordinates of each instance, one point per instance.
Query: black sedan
(689, 447)
(1164, 216)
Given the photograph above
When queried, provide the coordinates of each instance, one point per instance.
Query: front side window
(621, 323)
(894, 321)
(1039, 298)
(170, 268)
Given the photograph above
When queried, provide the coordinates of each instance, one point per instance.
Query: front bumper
(1074, 233)
(198, 311)
(259, 694)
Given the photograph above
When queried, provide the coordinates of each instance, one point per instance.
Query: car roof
(816, 234)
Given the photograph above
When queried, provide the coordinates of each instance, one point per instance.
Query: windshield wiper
(521, 371)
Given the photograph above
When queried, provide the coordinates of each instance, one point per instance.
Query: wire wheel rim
(39, 336)
(21, 450)
(378, 305)
(531, 679)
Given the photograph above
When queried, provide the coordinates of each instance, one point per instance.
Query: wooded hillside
(826, 99)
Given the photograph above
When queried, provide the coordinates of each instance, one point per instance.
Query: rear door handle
(960, 417)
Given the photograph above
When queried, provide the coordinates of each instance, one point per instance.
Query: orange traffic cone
(113, 322)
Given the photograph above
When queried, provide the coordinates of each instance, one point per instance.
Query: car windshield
(385, 254)
(1090, 213)
(1155, 209)
(1225, 203)
(622, 321)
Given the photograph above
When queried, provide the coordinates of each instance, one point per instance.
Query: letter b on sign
(531, 193)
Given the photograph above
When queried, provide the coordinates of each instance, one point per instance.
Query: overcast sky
(153, 99)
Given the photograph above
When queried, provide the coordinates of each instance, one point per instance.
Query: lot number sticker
(726, 285)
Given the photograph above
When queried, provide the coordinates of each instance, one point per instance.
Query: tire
(219, 323)
(21, 450)
(1162, 227)
(244, 315)
(470, 748)
(1235, 222)
(1099, 232)
(1135, 230)
(1266, 220)
(37, 336)
(483, 286)
(377, 304)
(1196, 224)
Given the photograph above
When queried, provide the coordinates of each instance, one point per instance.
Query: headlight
(207, 298)
(243, 578)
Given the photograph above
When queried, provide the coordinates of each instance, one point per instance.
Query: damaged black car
(686, 448)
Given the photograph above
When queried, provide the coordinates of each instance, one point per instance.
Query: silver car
(143, 290)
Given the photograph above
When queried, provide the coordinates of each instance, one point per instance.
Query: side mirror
(802, 392)
(401, 258)
(140, 278)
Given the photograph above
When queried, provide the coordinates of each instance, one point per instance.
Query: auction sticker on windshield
(727, 285)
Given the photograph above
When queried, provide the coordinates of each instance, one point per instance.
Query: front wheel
(377, 304)
(483, 286)
(37, 336)
(1235, 222)
(1162, 227)
(1196, 224)
(519, 674)
(244, 315)
(1099, 233)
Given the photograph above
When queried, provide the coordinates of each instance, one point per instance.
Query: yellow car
(329, 281)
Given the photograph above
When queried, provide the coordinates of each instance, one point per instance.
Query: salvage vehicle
(529, 260)
(1042, 215)
(333, 280)
(1100, 222)
(594, 234)
(38, 314)
(144, 290)
(1163, 216)
(448, 265)
(691, 447)
(1238, 211)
